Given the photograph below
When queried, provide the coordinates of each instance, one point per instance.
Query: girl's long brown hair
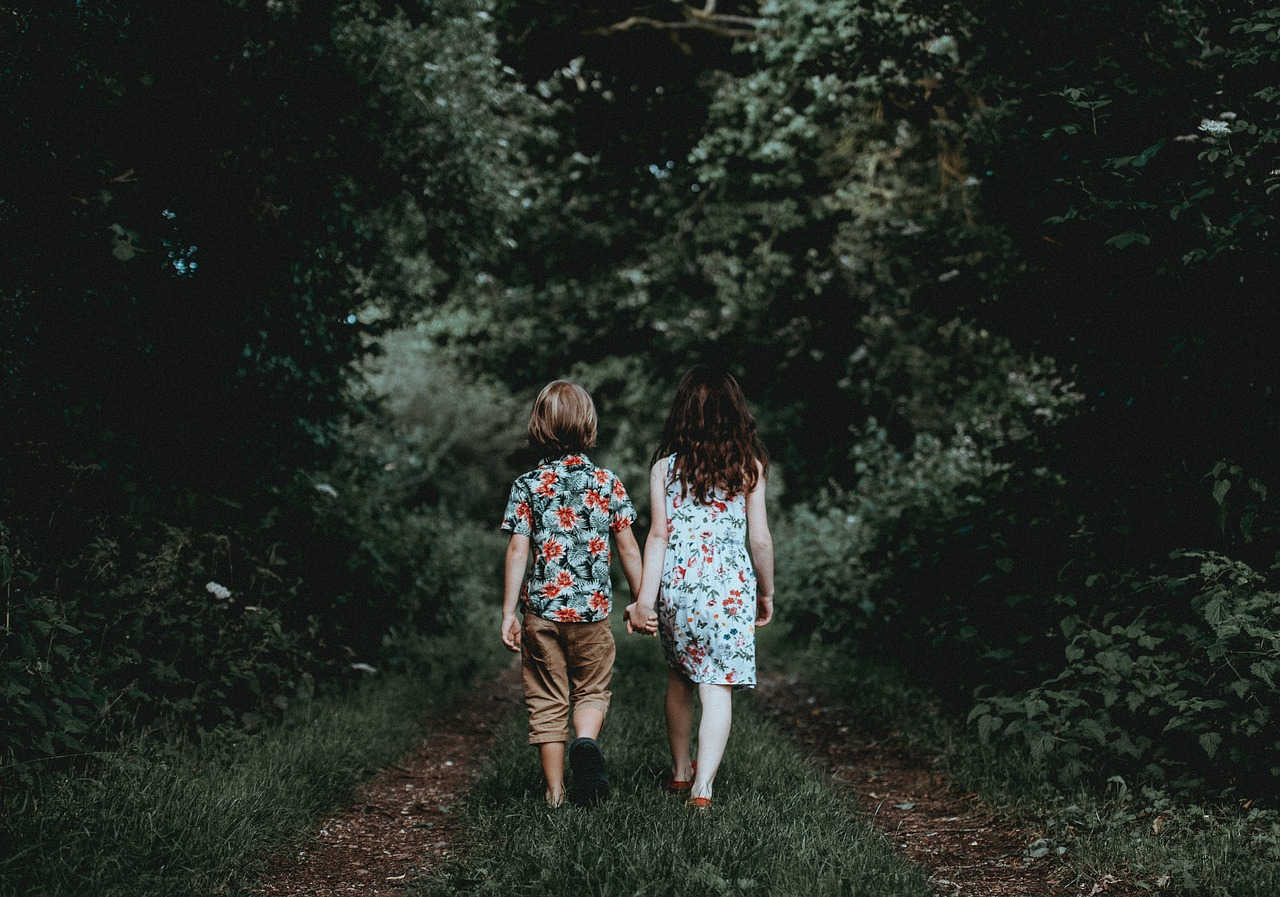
(712, 433)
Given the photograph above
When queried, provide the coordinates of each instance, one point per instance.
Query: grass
(1163, 843)
(159, 819)
(155, 818)
(777, 828)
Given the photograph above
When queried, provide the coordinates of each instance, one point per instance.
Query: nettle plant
(1181, 693)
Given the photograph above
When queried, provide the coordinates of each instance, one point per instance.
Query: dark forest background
(280, 280)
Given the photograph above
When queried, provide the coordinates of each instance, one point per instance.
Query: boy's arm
(513, 579)
(629, 556)
(761, 542)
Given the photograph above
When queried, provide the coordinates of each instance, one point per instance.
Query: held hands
(642, 620)
(511, 632)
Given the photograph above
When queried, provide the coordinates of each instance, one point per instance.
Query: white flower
(1209, 126)
(327, 490)
(363, 668)
(220, 592)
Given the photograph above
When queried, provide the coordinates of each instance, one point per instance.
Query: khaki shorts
(563, 663)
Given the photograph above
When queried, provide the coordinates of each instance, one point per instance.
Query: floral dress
(707, 601)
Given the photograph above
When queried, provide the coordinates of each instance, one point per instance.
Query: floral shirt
(568, 507)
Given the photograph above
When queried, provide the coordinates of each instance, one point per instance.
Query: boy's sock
(590, 782)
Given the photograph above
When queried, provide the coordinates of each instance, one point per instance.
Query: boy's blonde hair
(563, 419)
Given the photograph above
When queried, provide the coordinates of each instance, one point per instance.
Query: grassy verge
(1162, 843)
(776, 829)
(156, 818)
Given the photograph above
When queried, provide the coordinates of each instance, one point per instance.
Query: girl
(699, 590)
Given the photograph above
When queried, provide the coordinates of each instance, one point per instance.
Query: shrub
(1181, 693)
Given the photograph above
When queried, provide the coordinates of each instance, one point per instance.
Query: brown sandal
(677, 786)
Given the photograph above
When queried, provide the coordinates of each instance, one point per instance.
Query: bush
(191, 627)
(939, 548)
(1182, 693)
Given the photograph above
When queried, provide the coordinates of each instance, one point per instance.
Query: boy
(564, 511)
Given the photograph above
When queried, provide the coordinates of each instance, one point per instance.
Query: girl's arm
(513, 580)
(761, 543)
(642, 616)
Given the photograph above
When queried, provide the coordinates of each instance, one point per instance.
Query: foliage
(1182, 694)
(1107, 833)
(202, 818)
(208, 203)
(219, 210)
(920, 554)
(768, 194)
(148, 623)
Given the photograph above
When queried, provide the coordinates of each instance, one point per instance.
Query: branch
(705, 19)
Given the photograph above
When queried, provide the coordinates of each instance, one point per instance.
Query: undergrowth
(1128, 829)
(163, 817)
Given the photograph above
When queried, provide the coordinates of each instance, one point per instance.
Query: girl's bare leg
(680, 724)
(713, 734)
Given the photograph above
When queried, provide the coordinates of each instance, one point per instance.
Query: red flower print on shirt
(573, 460)
(568, 615)
(602, 477)
(552, 549)
(598, 545)
(524, 512)
(547, 483)
(567, 518)
(618, 491)
(596, 501)
(599, 602)
(562, 581)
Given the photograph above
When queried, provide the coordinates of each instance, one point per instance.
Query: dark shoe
(590, 782)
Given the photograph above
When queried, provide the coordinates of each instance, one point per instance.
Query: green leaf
(1128, 238)
(1210, 742)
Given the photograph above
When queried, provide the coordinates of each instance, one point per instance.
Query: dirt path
(968, 849)
(407, 820)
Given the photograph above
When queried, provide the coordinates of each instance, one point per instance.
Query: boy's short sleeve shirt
(568, 507)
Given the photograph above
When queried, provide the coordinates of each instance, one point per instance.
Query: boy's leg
(679, 709)
(551, 753)
(591, 653)
(587, 722)
(713, 734)
(546, 695)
